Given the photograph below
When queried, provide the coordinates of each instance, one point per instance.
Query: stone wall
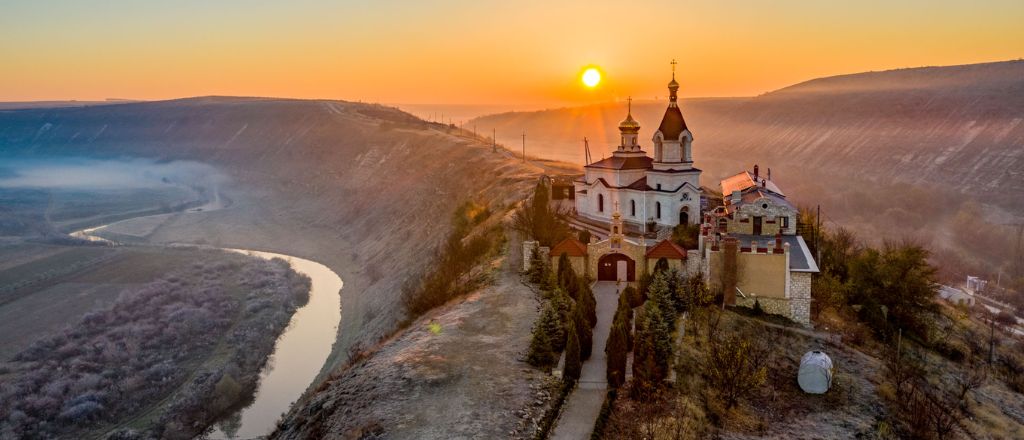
(694, 264)
(528, 247)
(800, 297)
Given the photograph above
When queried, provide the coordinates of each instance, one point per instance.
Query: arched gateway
(616, 266)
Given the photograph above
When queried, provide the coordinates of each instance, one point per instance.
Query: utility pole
(586, 151)
(494, 140)
(817, 235)
(991, 336)
(524, 146)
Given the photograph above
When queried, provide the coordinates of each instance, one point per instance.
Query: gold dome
(629, 125)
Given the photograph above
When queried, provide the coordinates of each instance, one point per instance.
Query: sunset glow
(476, 52)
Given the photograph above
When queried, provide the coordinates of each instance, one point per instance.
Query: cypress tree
(589, 302)
(584, 331)
(584, 236)
(624, 313)
(660, 266)
(567, 276)
(573, 364)
(617, 351)
(541, 216)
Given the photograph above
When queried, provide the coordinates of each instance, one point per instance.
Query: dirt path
(584, 404)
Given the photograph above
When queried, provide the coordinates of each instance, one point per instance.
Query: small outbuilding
(815, 376)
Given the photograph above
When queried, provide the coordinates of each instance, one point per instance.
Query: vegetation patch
(166, 359)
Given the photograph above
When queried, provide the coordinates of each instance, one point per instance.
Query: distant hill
(17, 105)
(889, 153)
(367, 190)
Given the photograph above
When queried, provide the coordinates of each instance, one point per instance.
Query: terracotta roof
(672, 124)
(744, 181)
(623, 163)
(667, 249)
(571, 247)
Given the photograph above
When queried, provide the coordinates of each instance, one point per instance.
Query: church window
(632, 208)
(600, 203)
(784, 221)
(659, 187)
(657, 209)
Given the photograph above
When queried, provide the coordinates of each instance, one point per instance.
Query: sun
(591, 77)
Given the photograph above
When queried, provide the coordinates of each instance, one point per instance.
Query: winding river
(299, 353)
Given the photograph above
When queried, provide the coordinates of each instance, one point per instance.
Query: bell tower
(629, 128)
(673, 138)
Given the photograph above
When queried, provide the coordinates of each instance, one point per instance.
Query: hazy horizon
(476, 53)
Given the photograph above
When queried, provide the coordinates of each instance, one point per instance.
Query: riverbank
(164, 358)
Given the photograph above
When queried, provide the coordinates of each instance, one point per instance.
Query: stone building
(753, 251)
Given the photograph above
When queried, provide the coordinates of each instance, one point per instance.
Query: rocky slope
(365, 189)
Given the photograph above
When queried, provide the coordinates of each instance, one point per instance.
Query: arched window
(600, 203)
(632, 208)
(657, 209)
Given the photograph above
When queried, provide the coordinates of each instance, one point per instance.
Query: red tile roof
(571, 247)
(667, 249)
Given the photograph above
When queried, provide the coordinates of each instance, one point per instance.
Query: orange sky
(474, 52)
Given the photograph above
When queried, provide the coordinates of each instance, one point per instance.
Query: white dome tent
(815, 376)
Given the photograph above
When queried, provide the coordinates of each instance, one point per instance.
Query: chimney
(769, 174)
(755, 172)
(764, 183)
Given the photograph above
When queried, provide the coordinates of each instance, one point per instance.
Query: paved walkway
(581, 409)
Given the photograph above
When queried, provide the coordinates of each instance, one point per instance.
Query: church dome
(629, 124)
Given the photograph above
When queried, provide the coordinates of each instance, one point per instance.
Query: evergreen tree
(586, 296)
(536, 271)
(562, 306)
(584, 331)
(617, 351)
(542, 219)
(549, 281)
(541, 353)
(660, 266)
(567, 276)
(573, 364)
(624, 313)
(652, 350)
(550, 323)
(676, 291)
(659, 293)
(584, 236)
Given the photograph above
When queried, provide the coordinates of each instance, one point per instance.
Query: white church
(664, 190)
